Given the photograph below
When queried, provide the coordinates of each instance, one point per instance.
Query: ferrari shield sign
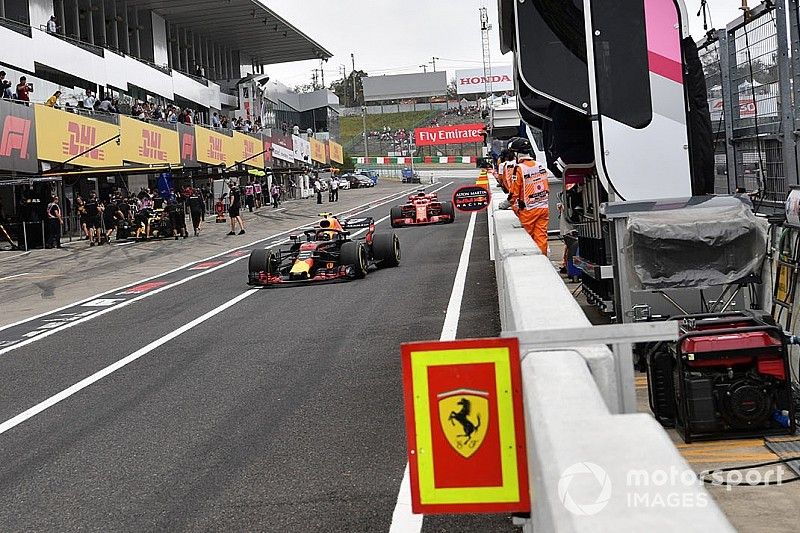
(464, 426)
(462, 412)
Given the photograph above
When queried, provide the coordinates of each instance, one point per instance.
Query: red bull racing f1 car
(325, 253)
(422, 209)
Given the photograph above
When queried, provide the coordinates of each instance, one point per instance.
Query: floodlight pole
(364, 119)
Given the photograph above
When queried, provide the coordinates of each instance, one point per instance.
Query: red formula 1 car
(325, 253)
(422, 209)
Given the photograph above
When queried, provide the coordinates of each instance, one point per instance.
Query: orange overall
(531, 187)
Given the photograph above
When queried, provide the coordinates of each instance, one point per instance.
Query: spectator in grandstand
(158, 113)
(5, 86)
(188, 116)
(215, 122)
(90, 101)
(53, 100)
(52, 25)
(136, 110)
(106, 105)
(224, 124)
(24, 89)
(172, 115)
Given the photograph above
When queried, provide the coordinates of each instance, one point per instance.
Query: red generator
(726, 377)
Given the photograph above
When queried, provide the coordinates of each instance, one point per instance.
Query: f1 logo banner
(188, 146)
(464, 426)
(459, 134)
(17, 143)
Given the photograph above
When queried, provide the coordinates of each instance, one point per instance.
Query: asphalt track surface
(283, 412)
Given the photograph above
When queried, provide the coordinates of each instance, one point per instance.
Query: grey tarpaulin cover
(695, 247)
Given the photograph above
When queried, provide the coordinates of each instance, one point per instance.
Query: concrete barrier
(591, 468)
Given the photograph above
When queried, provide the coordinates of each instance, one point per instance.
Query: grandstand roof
(246, 25)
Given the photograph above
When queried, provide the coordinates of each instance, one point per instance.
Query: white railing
(591, 467)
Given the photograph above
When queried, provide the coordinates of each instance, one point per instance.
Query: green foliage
(344, 89)
(352, 127)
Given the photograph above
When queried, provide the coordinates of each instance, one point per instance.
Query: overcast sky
(396, 37)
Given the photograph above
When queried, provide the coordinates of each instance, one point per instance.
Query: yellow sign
(318, 151)
(337, 154)
(464, 415)
(147, 144)
(60, 136)
(213, 148)
(244, 147)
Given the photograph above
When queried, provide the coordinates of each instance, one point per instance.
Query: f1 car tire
(386, 249)
(353, 254)
(396, 217)
(448, 209)
(257, 264)
(260, 261)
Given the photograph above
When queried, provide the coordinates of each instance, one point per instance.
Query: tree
(452, 89)
(344, 89)
(305, 88)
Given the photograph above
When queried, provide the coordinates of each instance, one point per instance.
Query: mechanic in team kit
(92, 219)
(197, 208)
(234, 207)
(529, 193)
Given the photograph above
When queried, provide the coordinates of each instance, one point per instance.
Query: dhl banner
(148, 144)
(18, 141)
(337, 154)
(61, 136)
(464, 426)
(244, 147)
(213, 148)
(317, 151)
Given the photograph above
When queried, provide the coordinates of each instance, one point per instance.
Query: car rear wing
(358, 223)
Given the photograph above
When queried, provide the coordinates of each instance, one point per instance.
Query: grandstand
(388, 133)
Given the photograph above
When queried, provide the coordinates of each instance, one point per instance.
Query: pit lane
(282, 413)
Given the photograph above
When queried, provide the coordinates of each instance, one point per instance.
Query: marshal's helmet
(520, 145)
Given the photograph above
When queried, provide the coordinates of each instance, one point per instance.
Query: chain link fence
(749, 83)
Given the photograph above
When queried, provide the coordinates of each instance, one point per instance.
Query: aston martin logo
(464, 415)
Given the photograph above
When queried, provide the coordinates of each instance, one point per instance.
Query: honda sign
(472, 81)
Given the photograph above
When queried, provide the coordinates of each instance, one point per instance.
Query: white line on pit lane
(17, 275)
(403, 520)
(97, 376)
(363, 207)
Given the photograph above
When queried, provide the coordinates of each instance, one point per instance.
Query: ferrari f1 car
(325, 253)
(422, 209)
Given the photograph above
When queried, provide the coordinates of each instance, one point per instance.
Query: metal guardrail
(93, 48)
(752, 94)
(17, 26)
(593, 465)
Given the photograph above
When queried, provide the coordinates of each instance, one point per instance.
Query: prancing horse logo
(464, 417)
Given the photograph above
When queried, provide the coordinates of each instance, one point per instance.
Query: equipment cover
(695, 246)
